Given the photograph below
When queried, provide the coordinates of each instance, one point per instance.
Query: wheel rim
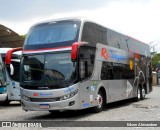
(138, 93)
(143, 92)
(100, 100)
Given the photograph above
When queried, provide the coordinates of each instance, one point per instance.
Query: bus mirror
(9, 54)
(74, 50)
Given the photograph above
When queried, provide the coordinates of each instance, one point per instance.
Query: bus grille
(44, 99)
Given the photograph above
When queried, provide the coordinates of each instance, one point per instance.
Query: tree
(23, 36)
(155, 60)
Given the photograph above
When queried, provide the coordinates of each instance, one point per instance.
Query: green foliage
(23, 36)
(155, 60)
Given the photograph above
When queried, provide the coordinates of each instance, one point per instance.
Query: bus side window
(82, 69)
(106, 72)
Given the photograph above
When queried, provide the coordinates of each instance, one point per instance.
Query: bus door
(13, 70)
(13, 87)
(88, 83)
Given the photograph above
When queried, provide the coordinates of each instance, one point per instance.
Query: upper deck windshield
(54, 34)
(47, 70)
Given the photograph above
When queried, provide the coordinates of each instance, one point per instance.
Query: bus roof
(83, 20)
(58, 19)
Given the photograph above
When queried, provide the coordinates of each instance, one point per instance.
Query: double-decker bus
(3, 90)
(71, 64)
(11, 58)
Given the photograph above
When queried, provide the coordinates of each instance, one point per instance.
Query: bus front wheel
(101, 104)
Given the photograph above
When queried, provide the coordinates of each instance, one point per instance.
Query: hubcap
(143, 92)
(138, 93)
(100, 100)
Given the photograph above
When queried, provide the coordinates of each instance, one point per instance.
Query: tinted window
(16, 71)
(52, 33)
(94, 33)
(86, 61)
(49, 69)
(2, 74)
(107, 71)
(116, 71)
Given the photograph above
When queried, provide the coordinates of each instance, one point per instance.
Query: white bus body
(12, 77)
(3, 89)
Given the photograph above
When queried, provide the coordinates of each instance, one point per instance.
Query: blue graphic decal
(92, 88)
(68, 90)
(117, 57)
(46, 94)
(85, 105)
(13, 83)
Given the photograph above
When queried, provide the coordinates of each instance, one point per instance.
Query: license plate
(44, 106)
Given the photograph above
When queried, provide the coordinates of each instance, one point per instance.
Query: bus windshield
(47, 69)
(52, 33)
(2, 74)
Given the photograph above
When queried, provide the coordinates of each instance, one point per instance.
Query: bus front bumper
(3, 97)
(69, 104)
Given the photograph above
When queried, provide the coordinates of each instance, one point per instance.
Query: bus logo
(35, 94)
(105, 53)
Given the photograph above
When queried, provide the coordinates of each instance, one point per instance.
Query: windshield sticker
(75, 26)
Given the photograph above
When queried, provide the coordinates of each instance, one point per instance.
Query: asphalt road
(128, 110)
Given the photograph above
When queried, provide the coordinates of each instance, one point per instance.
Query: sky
(137, 18)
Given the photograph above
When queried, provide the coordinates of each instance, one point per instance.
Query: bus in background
(11, 58)
(60, 72)
(3, 89)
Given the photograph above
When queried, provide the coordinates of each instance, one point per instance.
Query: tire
(138, 98)
(142, 93)
(101, 103)
(5, 103)
(54, 111)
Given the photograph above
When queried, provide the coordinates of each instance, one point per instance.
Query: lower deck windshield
(47, 69)
(2, 74)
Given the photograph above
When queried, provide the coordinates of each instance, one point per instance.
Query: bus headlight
(69, 95)
(25, 98)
